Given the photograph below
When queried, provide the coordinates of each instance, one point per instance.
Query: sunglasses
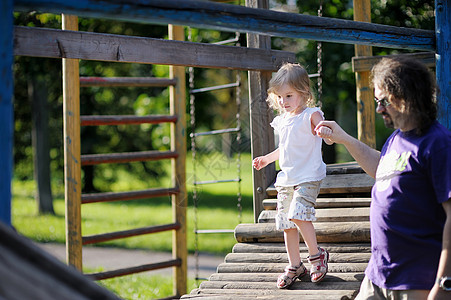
(382, 102)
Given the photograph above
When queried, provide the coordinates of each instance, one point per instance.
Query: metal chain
(192, 112)
(319, 60)
(238, 134)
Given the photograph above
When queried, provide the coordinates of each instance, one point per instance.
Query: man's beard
(388, 122)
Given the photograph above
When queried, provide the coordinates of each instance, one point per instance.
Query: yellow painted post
(72, 164)
(178, 144)
(366, 130)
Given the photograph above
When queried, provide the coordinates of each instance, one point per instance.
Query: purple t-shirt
(413, 179)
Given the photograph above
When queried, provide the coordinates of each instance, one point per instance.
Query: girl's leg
(291, 237)
(308, 233)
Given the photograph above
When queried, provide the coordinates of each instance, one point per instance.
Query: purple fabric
(407, 218)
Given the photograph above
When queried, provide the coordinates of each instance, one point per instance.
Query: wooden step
(234, 294)
(280, 248)
(283, 258)
(271, 204)
(350, 214)
(272, 277)
(279, 267)
(327, 232)
(298, 285)
(339, 184)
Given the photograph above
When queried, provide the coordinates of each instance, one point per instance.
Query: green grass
(216, 209)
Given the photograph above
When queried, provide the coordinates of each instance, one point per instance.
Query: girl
(302, 169)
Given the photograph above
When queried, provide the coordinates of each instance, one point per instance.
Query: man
(410, 213)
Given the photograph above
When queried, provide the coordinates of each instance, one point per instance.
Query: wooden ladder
(342, 226)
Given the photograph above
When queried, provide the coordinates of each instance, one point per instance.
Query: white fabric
(300, 158)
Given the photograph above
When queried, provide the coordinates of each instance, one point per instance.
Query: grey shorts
(369, 290)
(296, 202)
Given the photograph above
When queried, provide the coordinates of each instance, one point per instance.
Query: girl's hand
(259, 162)
(325, 133)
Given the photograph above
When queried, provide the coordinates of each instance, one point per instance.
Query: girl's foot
(290, 275)
(319, 265)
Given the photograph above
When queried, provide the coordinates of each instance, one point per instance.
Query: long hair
(297, 78)
(411, 88)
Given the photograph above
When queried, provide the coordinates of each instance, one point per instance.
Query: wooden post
(443, 63)
(6, 109)
(178, 144)
(72, 163)
(366, 130)
(262, 135)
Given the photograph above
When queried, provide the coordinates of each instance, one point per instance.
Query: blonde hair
(297, 78)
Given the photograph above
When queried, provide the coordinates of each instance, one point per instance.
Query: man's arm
(366, 157)
(444, 267)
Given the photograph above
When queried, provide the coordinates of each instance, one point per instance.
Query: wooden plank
(283, 257)
(366, 63)
(95, 159)
(104, 237)
(179, 201)
(126, 81)
(43, 42)
(271, 204)
(297, 286)
(280, 248)
(327, 232)
(272, 277)
(351, 167)
(134, 270)
(366, 130)
(227, 17)
(271, 294)
(6, 109)
(28, 272)
(72, 153)
(294, 294)
(126, 119)
(279, 267)
(339, 184)
(443, 69)
(350, 214)
(262, 134)
(131, 195)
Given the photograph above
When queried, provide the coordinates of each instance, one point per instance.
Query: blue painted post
(6, 109)
(443, 60)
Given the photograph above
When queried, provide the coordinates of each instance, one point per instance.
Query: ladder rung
(105, 237)
(214, 231)
(216, 181)
(219, 131)
(214, 88)
(125, 119)
(314, 75)
(132, 270)
(127, 81)
(133, 195)
(95, 159)
(236, 39)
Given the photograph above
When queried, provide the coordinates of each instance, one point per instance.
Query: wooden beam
(227, 17)
(54, 43)
(6, 109)
(443, 69)
(262, 135)
(177, 100)
(126, 81)
(366, 63)
(366, 129)
(72, 152)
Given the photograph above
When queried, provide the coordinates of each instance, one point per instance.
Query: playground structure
(257, 58)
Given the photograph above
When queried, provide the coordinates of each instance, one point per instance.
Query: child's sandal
(319, 265)
(290, 275)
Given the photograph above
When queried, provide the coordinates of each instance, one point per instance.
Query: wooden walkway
(342, 226)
